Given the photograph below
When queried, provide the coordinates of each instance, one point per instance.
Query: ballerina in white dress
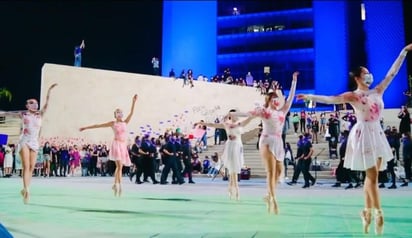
(28, 145)
(367, 148)
(232, 157)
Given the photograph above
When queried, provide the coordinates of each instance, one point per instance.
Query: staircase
(254, 161)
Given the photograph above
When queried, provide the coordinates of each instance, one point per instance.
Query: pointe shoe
(237, 195)
(275, 208)
(366, 219)
(230, 193)
(114, 188)
(266, 200)
(378, 222)
(271, 204)
(119, 190)
(25, 194)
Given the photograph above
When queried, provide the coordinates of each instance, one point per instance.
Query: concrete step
(321, 150)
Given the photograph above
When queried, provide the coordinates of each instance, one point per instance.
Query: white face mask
(368, 79)
(33, 106)
(278, 102)
(119, 114)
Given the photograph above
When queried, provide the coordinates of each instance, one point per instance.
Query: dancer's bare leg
(372, 200)
(28, 158)
(118, 178)
(270, 164)
(279, 171)
(230, 186)
(235, 185)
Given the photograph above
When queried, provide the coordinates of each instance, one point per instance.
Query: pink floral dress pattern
(272, 124)
(367, 141)
(118, 149)
(31, 124)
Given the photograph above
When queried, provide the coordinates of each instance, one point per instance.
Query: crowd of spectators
(149, 155)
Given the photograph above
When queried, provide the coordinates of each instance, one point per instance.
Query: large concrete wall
(86, 96)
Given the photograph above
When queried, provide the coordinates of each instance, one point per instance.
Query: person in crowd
(148, 151)
(289, 159)
(407, 157)
(187, 159)
(171, 152)
(155, 64)
(47, 156)
(8, 161)
(405, 123)
(78, 54)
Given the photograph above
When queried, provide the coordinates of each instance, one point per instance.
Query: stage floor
(86, 207)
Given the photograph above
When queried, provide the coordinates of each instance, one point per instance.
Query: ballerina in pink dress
(367, 148)
(118, 150)
(29, 139)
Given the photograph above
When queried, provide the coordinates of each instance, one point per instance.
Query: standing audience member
(289, 159)
(217, 132)
(307, 152)
(187, 159)
(407, 157)
(74, 160)
(405, 123)
(155, 64)
(8, 162)
(47, 156)
(136, 160)
(78, 54)
(170, 160)
(148, 152)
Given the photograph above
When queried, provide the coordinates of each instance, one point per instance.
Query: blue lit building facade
(323, 40)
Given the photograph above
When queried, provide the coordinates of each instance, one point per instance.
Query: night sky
(119, 35)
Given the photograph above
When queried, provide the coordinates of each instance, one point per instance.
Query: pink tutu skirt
(118, 151)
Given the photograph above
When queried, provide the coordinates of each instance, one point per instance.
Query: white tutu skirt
(275, 144)
(366, 144)
(233, 156)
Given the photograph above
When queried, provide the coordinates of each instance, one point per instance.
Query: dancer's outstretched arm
(44, 108)
(107, 124)
(346, 97)
(214, 125)
(12, 113)
(132, 109)
(393, 71)
(240, 114)
(292, 92)
(246, 121)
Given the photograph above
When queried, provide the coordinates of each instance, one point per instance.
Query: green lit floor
(86, 207)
